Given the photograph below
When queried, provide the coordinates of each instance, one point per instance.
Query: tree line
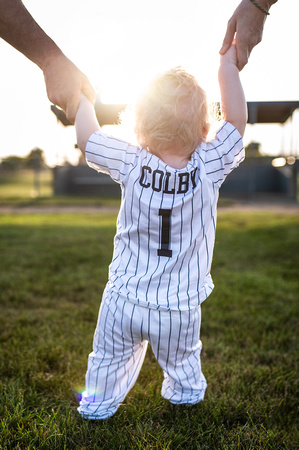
(34, 160)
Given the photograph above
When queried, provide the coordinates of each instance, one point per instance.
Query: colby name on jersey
(167, 221)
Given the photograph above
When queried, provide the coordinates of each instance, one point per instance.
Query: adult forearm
(18, 28)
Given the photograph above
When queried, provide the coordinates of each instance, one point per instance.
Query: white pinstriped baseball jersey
(167, 221)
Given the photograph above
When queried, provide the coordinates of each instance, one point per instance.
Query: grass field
(53, 271)
(21, 184)
(18, 189)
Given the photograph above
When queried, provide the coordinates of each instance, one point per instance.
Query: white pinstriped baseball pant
(120, 342)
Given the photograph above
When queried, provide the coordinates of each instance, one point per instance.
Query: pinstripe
(176, 353)
(122, 351)
(128, 247)
(108, 158)
(181, 364)
(194, 244)
(189, 270)
(192, 332)
(167, 261)
(203, 229)
(109, 137)
(169, 340)
(159, 335)
(177, 305)
(104, 353)
(133, 341)
(180, 272)
(141, 330)
(148, 247)
(129, 241)
(114, 352)
(184, 353)
(149, 322)
(144, 276)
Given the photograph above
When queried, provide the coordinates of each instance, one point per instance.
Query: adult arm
(246, 25)
(233, 103)
(64, 81)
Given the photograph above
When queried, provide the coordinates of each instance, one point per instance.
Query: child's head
(172, 111)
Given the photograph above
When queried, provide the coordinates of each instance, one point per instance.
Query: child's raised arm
(86, 122)
(233, 103)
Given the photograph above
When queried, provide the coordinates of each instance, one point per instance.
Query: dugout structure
(254, 177)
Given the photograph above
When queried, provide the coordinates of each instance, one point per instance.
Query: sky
(120, 45)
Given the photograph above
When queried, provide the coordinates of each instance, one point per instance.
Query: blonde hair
(173, 110)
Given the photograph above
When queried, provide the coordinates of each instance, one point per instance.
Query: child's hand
(230, 56)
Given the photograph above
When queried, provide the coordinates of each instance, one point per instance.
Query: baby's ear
(141, 141)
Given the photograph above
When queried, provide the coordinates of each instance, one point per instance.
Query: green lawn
(53, 269)
(18, 189)
(22, 185)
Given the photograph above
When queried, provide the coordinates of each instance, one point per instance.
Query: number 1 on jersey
(165, 233)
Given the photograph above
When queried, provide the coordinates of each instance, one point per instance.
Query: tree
(11, 163)
(252, 150)
(35, 159)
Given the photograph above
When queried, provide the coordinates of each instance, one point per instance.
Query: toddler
(163, 247)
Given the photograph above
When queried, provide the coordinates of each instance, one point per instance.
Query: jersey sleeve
(110, 155)
(224, 153)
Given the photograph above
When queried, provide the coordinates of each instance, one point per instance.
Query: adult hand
(246, 25)
(64, 81)
(64, 84)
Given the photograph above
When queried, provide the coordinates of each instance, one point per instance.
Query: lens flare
(79, 393)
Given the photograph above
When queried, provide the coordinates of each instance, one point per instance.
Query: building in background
(256, 176)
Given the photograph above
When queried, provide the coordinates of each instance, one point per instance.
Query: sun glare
(279, 162)
(141, 40)
(121, 46)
